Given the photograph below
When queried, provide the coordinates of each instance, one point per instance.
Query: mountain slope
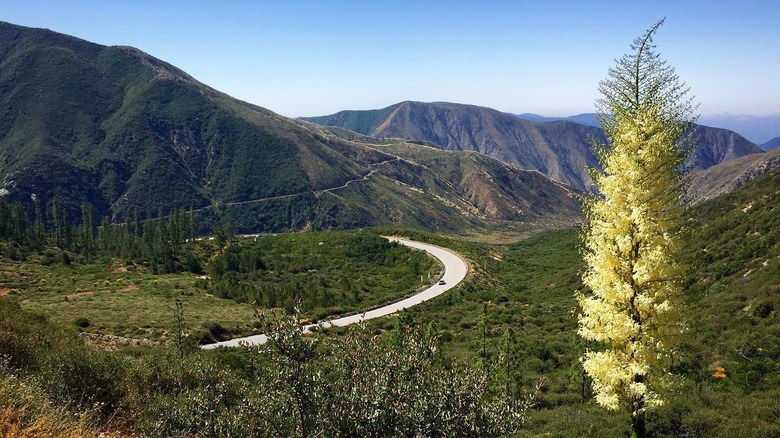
(730, 175)
(560, 149)
(139, 126)
(755, 128)
(117, 128)
(771, 144)
(589, 119)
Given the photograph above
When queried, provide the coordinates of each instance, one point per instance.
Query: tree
(633, 232)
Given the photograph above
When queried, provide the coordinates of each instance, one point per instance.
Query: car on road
(442, 282)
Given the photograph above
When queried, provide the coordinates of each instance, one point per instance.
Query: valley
(128, 184)
(516, 307)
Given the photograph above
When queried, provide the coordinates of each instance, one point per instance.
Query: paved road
(455, 270)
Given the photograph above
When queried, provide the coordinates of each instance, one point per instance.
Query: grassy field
(115, 298)
(112, 297)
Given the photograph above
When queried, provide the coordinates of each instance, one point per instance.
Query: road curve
(455, 270)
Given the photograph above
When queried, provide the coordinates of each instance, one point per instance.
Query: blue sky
(302, 58)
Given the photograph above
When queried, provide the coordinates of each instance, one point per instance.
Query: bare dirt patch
(80, 294)
(119, 269)
(130, 288)
(10, 273)
(4, 291)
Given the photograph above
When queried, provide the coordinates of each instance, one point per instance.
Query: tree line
(156, 240)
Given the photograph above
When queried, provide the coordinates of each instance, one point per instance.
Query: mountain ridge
(561, 149)
(124, 131)
(730, 175)
(771, 144)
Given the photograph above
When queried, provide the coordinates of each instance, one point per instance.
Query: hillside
(125, 132)
(756, 128)
(516, 314)
(730, 175)
(560, 149)
(771, 144)
(589, 119)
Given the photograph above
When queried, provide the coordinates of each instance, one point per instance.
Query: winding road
(455, 270)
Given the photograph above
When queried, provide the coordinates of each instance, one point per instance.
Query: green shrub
(82, 322)
(84, 376)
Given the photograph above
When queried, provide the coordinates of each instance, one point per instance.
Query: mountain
(560, 149)
(716, 145)
(126, 132)
(730, 175)
(589, 119)
(771, 144)
(756, 128)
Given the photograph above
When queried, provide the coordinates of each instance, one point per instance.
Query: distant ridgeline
(122, 131)
(562, 149)
(125, 132)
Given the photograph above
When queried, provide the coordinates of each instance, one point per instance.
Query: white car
(442, 282)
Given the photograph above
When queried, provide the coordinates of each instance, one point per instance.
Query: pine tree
(58, 222)
(106, 236)
(88, 224)
(40, 227)
(192, 225)
(633, 232)
(19, 223)
(5, 219)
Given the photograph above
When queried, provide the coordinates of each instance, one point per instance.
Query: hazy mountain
(560, 149)
(589, 119)
(124, 131)
(771, 144)
(757, 129)
(730, 175)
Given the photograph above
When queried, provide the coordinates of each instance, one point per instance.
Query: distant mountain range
(771, 144)
(755, 128)
(126, 132)
(560, 149)
(589, 119)
(759, 129)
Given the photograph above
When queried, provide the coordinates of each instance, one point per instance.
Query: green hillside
(731, 304)
(126, 133)
(362, 122)
(515, 317)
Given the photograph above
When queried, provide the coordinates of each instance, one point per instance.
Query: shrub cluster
(356, 385)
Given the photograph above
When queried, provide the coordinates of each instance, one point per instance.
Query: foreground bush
(357, 386)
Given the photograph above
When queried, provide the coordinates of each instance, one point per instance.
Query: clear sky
(304, 58)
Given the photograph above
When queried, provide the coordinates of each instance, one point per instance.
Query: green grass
(115, 298)
(353, 270)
